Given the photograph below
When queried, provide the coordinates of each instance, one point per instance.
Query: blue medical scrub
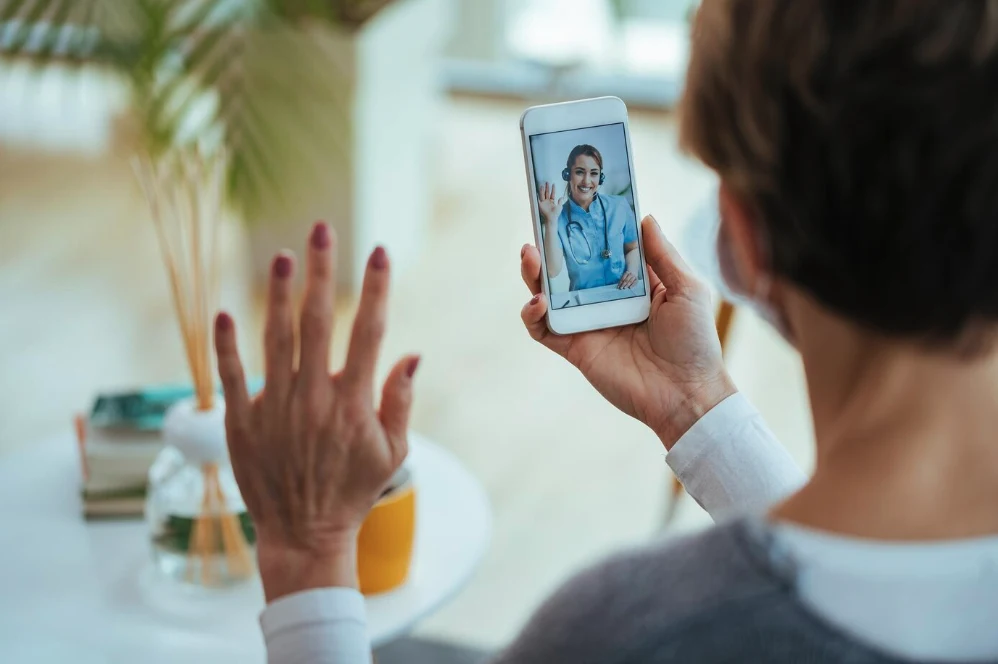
(583, 247)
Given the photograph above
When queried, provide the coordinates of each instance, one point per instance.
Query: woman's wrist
(286, 569)
(701, 398)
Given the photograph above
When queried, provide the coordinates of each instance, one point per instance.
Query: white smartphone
(585, 210)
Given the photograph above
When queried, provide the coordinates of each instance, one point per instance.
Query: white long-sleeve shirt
(919, 601)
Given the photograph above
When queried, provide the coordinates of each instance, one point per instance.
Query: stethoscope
(606, 254)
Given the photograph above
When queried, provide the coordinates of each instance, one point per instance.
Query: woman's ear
(739, 244)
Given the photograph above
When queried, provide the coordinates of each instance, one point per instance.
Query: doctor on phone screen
(597, 233)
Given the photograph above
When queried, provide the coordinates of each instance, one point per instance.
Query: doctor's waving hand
(597, 233)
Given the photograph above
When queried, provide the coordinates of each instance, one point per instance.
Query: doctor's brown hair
(584, 151)
(863, 136)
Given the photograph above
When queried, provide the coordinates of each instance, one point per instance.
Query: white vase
(200, 530)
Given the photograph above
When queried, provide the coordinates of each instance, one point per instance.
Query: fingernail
(410, 370)
(379, 259)
(656, 221)
(537, 298)
(282, 267)
(523, 252)
(224, 321)
(320, 235)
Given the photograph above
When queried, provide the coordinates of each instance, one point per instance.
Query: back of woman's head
(863, 137)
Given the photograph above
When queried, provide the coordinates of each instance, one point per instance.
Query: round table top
(86, 592)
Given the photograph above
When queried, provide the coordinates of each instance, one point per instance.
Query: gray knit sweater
(726, 595)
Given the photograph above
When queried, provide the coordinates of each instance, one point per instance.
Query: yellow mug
(385, 543)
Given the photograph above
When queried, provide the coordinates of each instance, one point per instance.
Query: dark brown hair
(863, 135)
(584, 151)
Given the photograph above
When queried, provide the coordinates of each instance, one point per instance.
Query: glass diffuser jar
(200, 531)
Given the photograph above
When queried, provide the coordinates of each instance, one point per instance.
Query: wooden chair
(723, 319)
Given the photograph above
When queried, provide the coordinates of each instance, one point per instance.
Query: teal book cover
(143, 409)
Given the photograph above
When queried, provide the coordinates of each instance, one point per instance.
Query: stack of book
(119, 441)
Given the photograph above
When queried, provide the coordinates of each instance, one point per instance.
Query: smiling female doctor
(597, 233)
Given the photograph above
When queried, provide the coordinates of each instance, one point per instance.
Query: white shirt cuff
(731, 461)
(327, 625)
(319, 605)
(711, 430)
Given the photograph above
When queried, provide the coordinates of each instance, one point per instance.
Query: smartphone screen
(589, 227)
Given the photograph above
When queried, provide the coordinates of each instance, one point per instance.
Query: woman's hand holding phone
(666, 372)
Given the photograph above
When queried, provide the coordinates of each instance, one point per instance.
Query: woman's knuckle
(354, 411)
(377, 284)
(237, 435)
(375, 328)
(313, 411)
(320, 269)
(312, 318)
(276, 338)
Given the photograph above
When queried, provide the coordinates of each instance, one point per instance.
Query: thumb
(396, 400)
(533, 315)
(663, 257)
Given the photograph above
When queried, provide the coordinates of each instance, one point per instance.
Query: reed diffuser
(201, 532)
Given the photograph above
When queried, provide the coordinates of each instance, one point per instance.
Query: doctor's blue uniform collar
(578, 208)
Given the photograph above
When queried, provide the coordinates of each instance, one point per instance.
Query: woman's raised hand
(550, 205)
(313, 451)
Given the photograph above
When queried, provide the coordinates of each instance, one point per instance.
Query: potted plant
(322, 108)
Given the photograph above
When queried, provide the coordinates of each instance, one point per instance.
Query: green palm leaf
(252, 77)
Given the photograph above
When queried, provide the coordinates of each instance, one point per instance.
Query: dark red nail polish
(224, 322)
(537, 298)
(282, 267)
(379, 259)
(410, 370)
(320, 235)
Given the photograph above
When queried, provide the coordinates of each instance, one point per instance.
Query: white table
(85, 592)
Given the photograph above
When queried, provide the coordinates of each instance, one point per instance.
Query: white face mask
(713, 258)
(757, 298)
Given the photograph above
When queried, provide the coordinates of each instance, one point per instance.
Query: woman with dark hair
(856, 146)
(597, 235)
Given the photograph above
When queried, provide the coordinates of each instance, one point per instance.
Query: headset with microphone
(606, 254)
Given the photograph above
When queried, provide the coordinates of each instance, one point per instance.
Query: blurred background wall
(635, 49)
